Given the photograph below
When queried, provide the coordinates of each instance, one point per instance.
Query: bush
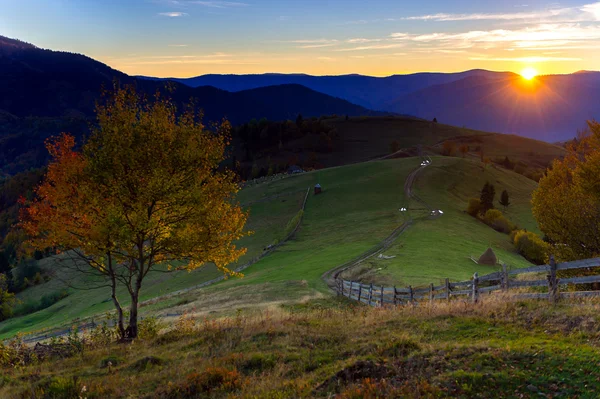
(448, 148)
(292, 224)
(474, 207)
(491, 216)
(46, 301)
(531, 246)
(149, 327)
(496, 220)
(520, 168)
(24, 274)
(534, 175)
(503, 225)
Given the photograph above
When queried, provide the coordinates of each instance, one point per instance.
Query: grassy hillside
(533, 153)
(325, 349)
(357, 210)
(359, 207)
(365, 138)
(268, 220)
(433, 249)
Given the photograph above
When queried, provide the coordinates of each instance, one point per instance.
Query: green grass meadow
(358, 208)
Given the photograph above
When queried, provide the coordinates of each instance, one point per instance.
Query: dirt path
(331, 275)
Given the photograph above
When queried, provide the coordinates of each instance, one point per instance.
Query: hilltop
(360, 139)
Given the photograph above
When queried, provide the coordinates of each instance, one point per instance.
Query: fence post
(411, 295)
(447, 287)
(504, 277)
(359, 290)
(395, 296)
(382, 296)
(552, 281)
(475, 293)
(370, 293)
(431, 292)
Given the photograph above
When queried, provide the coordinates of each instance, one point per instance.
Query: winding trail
(331, 275)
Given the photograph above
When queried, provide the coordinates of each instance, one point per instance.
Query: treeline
(22, 140)
(268, 147)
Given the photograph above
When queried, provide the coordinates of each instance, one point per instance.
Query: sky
(183, 38)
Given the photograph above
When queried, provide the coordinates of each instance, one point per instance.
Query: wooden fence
(473, 289)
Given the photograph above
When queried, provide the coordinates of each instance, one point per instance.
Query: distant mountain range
(551, 108)
(45, 83)
(44, 92)
(368, 91)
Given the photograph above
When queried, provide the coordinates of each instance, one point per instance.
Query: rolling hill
(44, 83)
(368, 91)
(550, 108)
(356, 211)
(360, 139)
(44, 93)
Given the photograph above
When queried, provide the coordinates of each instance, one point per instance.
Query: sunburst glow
(529, 73)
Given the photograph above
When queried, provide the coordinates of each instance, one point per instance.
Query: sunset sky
(187, 37)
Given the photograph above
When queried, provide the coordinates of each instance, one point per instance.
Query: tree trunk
(120, 322)
(132, 328)
(113, 286)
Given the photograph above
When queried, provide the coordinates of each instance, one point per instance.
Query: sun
(529, 73)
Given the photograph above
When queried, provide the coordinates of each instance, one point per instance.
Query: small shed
(318, 189)
(488, 258)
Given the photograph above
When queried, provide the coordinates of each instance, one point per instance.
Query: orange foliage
(146, 189)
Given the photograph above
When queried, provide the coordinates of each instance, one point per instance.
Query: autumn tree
(7, 299)
(144, 194)
(566, 203)
(448, 148)
(464, 149)
(504, 199)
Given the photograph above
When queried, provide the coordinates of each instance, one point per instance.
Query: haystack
(488, 258)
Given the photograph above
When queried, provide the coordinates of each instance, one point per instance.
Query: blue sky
(382, 37)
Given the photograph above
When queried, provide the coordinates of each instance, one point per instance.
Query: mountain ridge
(549, 107)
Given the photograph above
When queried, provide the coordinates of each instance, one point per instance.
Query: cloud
(326, 58)
(441, 17)
(525, 60)
(554, 13)
(178, 45)
(210, 59)
(540, 36)
(318, 45)
(593, 9)
(373, 47)
(362, 40)
(309, 41)
(172, 14)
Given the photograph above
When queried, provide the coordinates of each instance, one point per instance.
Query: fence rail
(472, 289)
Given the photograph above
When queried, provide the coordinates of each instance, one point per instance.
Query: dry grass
(334, 348)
